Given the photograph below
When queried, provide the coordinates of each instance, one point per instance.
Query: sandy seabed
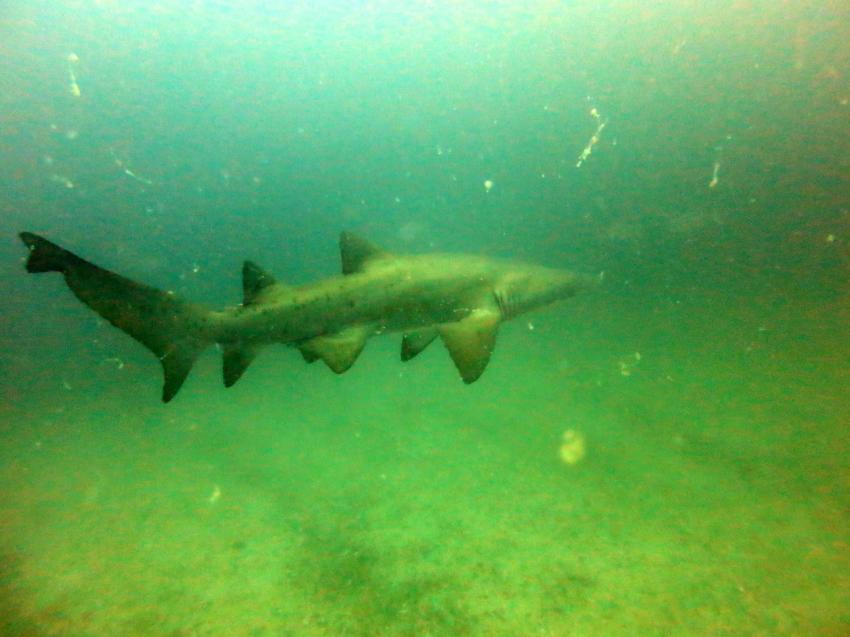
(394, 500)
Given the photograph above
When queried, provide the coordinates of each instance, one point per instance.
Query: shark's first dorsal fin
(357, 252)
(254, 281)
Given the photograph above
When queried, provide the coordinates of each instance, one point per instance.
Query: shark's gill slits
(506, 303)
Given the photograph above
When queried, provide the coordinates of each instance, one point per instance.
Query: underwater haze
(666, 454)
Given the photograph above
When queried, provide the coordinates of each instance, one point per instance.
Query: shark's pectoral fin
(236, 358)
(339, 351)
(471, 341)
(414, 342)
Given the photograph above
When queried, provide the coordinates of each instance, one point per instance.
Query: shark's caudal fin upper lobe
(174, 330)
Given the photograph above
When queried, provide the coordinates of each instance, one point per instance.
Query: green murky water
(707, 377)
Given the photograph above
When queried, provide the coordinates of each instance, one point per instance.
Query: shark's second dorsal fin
(357, 252)
(254, 281)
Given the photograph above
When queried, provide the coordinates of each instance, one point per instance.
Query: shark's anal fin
(414, 342)
(236, 358)
(471, 341)
(174, 330)
(176, 364)
(339, 351)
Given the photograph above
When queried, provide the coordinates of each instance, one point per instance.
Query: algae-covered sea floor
(395, 500)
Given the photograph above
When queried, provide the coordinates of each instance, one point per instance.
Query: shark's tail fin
(174, 330)
(45, 256)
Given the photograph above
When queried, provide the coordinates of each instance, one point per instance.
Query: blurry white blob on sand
(215, 495)
(573, 447)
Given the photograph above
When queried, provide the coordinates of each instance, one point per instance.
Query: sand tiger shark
(460, 298)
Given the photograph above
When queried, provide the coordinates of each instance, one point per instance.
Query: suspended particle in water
(594, 139)
(715, 176)
(61, 179)
(488, 185)
(73, 87)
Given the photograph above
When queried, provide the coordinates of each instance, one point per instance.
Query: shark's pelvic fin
(357, 252)
(172, 329)
(339, 351)
(413, 343)
(471, 341)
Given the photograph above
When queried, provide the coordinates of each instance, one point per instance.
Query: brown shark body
(461, 298)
